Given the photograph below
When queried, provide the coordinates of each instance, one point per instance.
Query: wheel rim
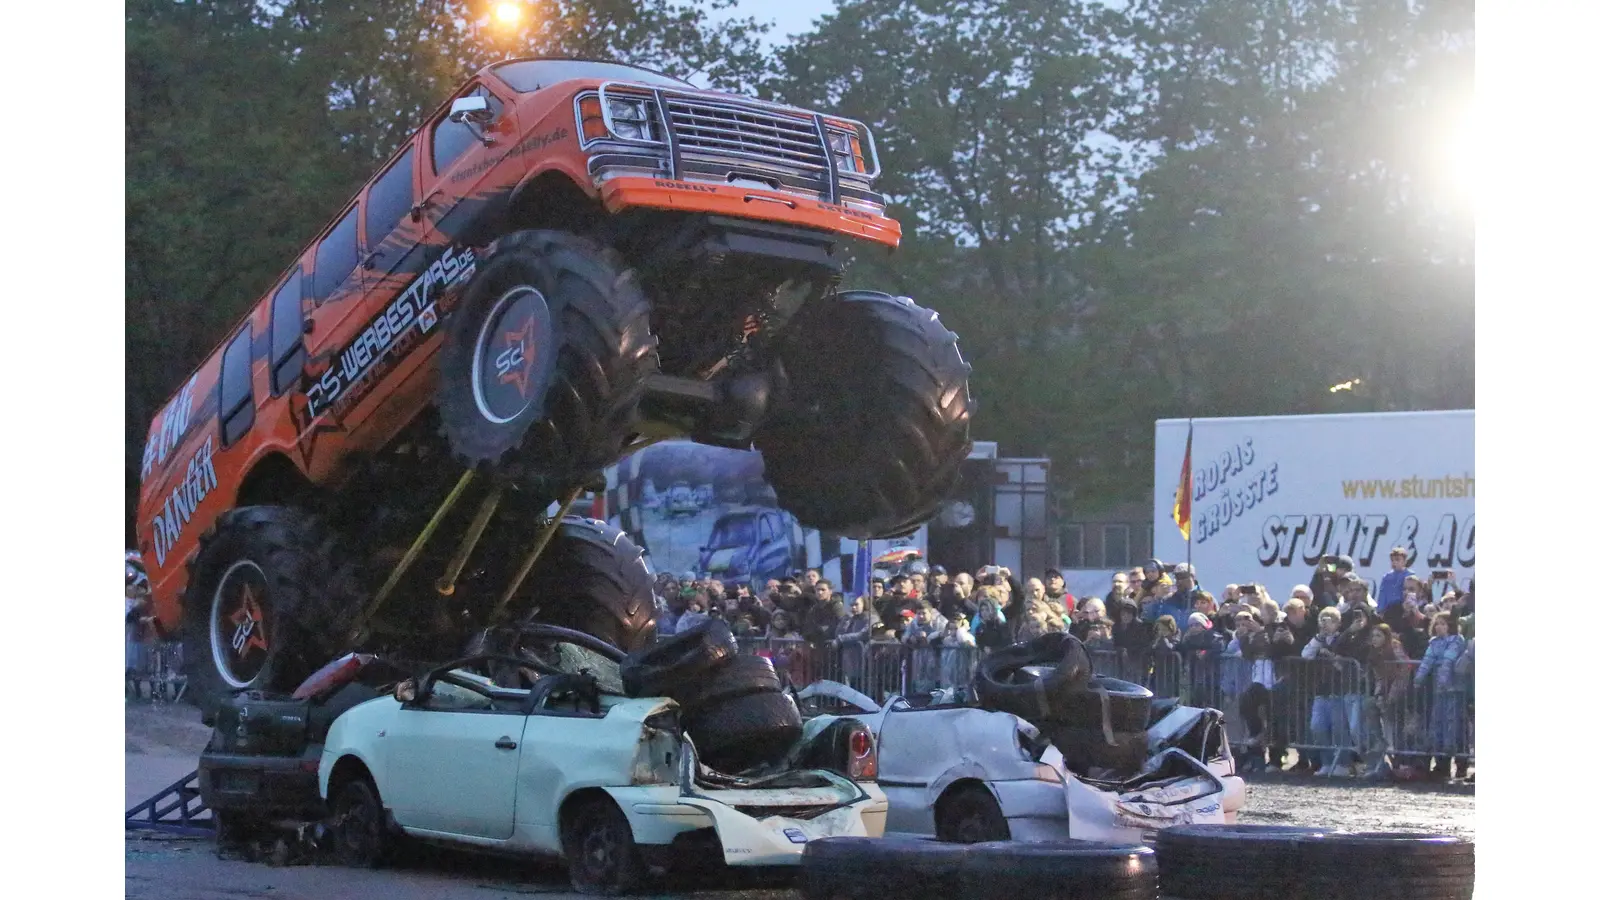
(357, 827)
(508, 364)
(240, 624)
(599, 854)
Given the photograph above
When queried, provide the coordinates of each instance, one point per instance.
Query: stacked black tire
(734, 707)
(1258, 862)
(1095, 721)
(905, 868)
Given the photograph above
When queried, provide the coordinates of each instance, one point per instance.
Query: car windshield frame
(526, 76)
(748, 520)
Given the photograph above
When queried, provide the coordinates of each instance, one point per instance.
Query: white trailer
(1272, 495)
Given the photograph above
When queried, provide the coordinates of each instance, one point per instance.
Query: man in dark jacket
(822, 622)
(1326, 579)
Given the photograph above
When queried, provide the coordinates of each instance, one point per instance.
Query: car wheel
(360, 833)
(601, 855)
(734, 735)
(1060, 870)
(886, 868)
(970, 815)
(1001, 683)
(677, 661)
(742, 676)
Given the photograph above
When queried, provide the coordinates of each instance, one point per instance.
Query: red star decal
(519, 377)
(249, 623)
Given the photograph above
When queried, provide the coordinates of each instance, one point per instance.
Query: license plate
(238, 782)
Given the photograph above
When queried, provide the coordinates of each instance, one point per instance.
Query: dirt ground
(163, 742)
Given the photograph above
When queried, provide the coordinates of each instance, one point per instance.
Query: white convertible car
(572, 768)
(967, 774)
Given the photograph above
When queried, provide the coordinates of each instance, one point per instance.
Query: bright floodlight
(508, 12)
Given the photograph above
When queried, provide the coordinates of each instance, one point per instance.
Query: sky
(788, 16)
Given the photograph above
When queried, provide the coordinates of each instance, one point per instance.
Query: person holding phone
(1392, 589)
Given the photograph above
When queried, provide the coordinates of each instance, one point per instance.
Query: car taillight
(863, 755)
(591, 120)
(332, 676)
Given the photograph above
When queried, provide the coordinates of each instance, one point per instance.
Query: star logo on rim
(519, 344)
(250, 629)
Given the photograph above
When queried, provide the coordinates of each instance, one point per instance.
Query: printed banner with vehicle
(1269, 496)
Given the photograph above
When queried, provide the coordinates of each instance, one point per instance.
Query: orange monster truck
(568, 259)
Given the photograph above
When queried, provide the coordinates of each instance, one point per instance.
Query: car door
(912, 753)
(452, 760)
(457, 205)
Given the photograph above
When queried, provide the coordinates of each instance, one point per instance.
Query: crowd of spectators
(1337, 663)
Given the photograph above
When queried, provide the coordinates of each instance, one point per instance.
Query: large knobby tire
(737, 734)
(1105, 702)
(1060, 870)
(1000, 683)
(871, 431)
(674, 664)
(267, 596)
(601, 855)
(543, 366)
(888, 868)
(969, 814)
(592, 578)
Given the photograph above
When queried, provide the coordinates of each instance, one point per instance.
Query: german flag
(1181, 500)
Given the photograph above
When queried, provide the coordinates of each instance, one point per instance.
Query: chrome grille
(723, 130)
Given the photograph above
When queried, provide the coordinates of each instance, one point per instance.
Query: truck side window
(336, 257)
(288, 324)
(768, 533)
(235, 397)
(450, 140)
(389, 200)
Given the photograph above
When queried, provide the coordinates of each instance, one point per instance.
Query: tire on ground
(543, 365)
(1414, 866)
(1059, 870)
(736, 734)
(887, 868)
(744, 674)
(678, 661)
(884, 376)
(592, 578)
(267, 600)
(1001, 684)
(1211, 862)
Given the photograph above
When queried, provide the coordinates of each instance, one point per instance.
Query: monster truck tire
(272, 579)
(1001, 685)
(886, 868)
(736, 734)
(879, 383)
(674, 664)
(741, 676)
(1058, 870)
(543, 366)
(1211, 862)
(592, 578)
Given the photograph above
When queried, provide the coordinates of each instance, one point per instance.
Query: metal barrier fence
(1329, 709)
(157, 665)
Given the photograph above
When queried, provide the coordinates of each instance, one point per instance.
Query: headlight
(630, 119)
(846, 149)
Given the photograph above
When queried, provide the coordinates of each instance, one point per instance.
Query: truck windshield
(528, 75)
